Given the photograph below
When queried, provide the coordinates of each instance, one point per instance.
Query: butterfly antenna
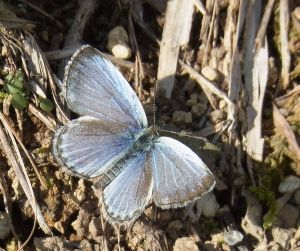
(181, 134)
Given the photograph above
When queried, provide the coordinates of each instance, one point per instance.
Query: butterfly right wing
(89, 146)
(95, 87)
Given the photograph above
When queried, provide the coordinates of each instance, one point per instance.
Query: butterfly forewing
(179, 175)
(95, 87)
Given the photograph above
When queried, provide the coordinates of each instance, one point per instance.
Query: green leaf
(10, 88)
(19, 102)
(46, 105)
(14, 83)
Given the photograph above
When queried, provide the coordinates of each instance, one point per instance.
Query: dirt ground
(220, 76)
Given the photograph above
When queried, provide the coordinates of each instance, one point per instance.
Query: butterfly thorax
(143, 142)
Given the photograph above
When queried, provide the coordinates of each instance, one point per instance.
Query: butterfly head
(154, 130)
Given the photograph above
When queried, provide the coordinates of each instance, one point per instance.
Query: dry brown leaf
(286, 131)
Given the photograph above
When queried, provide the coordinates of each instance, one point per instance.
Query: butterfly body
(112, 144)
(142, 143)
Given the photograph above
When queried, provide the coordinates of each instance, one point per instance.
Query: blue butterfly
(112, 144)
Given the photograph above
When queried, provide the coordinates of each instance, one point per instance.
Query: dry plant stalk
(30, 158)
(255, 141)
(20, 171)
(256, 75)
(176, 32)
(284, 42)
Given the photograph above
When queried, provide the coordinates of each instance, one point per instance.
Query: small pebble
(198, 110)
(59, 227)
(12, 245)
(86, 245)
(189, 85)
(222, 104)
(193, 100)
(273, 72)
(296, 13)
(203, 99)
(49, 243)
(181, 117)
(185, 244)
(45, 35)
(232, 237)
(288, 215)
(95, 227)
(121, 50)
(289, 184)
(297, 197)
(211, 206)
(117, 43)
(164, 216)
(4, 51)
(134, 241)
(211, 74)
(56, 41)
(80, 192)
(149, 212)
(216, 116)
(176, 225)
(282, 236)
(81, 224)
(4, 225)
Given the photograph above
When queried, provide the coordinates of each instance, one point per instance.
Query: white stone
(211, 74)
(117, 43)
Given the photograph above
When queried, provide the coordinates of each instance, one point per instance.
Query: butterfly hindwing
(126, 197)
(89, 146)
(179, 175)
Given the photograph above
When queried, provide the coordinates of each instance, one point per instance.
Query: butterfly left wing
(179, 175)
(126, 197)
(89, 147)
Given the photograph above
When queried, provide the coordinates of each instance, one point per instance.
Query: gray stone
(297, 197)
(289, 184)
(288, 215)
(198, 110)
(4, 225)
